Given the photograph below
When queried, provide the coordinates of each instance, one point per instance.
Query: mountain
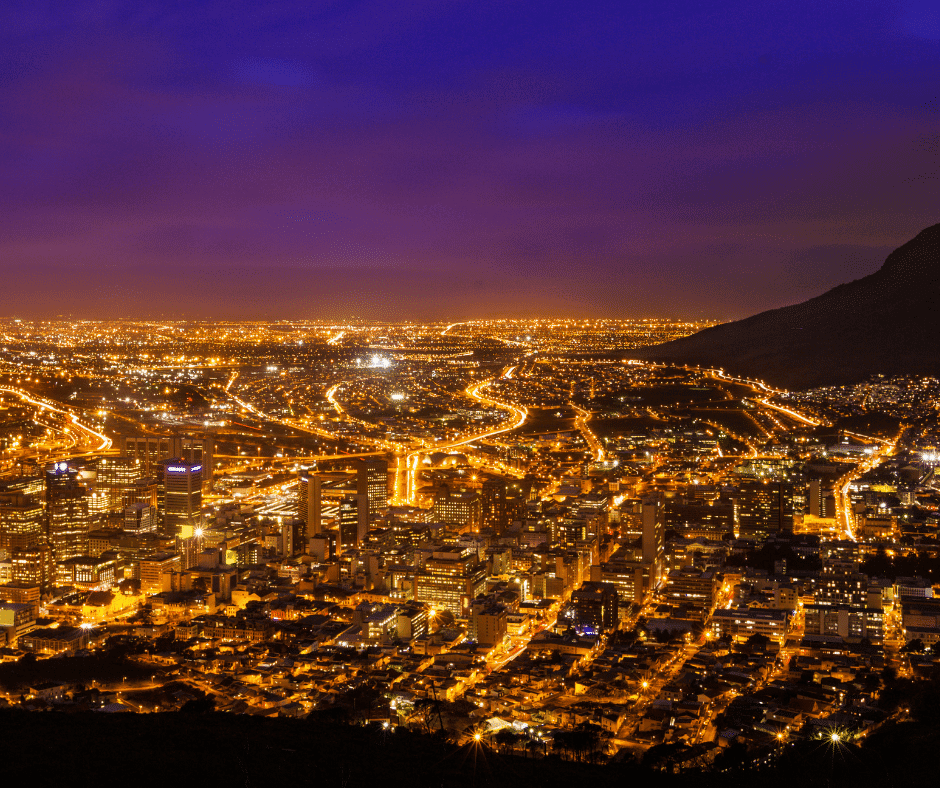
(887, 323)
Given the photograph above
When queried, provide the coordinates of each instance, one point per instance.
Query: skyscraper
(372, 481)
(69, 522)
(764, 507)
(182, 496)
(353, 521)
(151, 450)
(21, 521)
(309, 501)
(116, 479)
(654, 538)
(493, 494)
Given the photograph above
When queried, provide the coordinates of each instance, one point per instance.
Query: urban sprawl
(509, 531)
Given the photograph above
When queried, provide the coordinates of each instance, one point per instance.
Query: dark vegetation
(103, 668)
(199, 746)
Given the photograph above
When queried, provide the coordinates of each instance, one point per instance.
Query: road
(519, 416)
(584, 416)
(105, 441)
(844, 513)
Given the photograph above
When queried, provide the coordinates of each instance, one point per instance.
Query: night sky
(424, 160)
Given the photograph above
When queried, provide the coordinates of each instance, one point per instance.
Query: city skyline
(448, 161)
(470, 394)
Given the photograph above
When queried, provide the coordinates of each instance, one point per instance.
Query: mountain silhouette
(885, 323)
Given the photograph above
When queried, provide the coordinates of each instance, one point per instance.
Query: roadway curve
(519, 416)
(584, 416)
(105, 444)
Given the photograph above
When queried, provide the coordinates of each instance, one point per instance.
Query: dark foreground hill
(170, 749)
(886, 323)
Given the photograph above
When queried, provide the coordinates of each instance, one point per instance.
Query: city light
(509, 494)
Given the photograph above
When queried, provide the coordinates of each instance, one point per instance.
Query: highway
(584, 416)
(105, 441)
(519, 416)
(844, 513)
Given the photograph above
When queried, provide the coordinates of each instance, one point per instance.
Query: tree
(664, 757)
(506, 738)
(758, 641)
(915, 646)
(199, 706)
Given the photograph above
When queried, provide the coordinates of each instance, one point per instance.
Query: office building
(22, 521)
(694, 588)
(68, 522)
(820, 499)
(353, 521)
(699, 519)
(488, 622)
(846, 621)
(34, 567)
(450, 581)
(744, 622)
(596, 606)
(117, 479)
(61, 476)
(310, 502)
(498, 507)
(636, 570)
(151, 450)
(140, 518)
(372, 481)
(654, 538)
(763, 508)
(156, 572)
(29, 485)
(463, 509)
(182, 496)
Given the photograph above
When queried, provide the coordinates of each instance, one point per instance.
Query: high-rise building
(637, 570)
(22, 521)
(764, 507)
(450, 581)
(820, 499)
(34, 567)
(699, 518)
(654, 538)
(140, 518)
(488, 621)
(98, 507)
(151, 450)
(182, 496)
(146, 491)
(464, 509)
(69, 522)
(568, 532)
(116, 480)
(310, 502)
(502, 504)
(60, 476)
(596, 605)
(353, 521)
(493, 495)
(148, 451)
(695, 588)
(31, 485)
(372, 481)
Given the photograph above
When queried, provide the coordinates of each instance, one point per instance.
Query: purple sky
(429, 160)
